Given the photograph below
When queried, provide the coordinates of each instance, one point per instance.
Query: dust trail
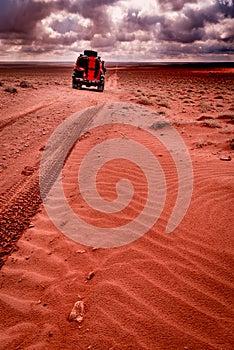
(112, 81)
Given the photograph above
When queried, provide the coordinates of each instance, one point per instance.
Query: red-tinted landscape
(161, 291)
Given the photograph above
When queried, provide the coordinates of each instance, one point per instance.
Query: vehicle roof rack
(90, 53)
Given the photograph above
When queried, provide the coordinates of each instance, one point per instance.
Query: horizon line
(117, 62)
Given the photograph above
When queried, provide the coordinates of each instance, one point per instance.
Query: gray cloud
(22, 16)
(174, 5)
(190, 27)
(226, 7)
(178, 31)
(180, 27)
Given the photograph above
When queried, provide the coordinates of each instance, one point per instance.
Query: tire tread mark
(21, 202)
(61, 146)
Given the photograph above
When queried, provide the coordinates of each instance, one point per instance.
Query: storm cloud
(120, 29)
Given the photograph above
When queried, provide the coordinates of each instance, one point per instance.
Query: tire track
(22, 201)
(19, 204)
(60, 145)
(13, 119)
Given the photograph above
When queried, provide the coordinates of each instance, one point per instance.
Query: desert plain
(160, 292)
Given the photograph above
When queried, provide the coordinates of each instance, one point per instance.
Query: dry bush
(11, 89)
(164, 104)
(143, 100)
(205, 107)
(201, 144)
(210, 123)
(231, 141)
(25, 84)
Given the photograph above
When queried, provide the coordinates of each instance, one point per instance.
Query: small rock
(27, 171)
(228, 159)
(79, 251)
(90, 276)
(77, 313)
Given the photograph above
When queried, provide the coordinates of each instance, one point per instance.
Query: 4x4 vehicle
(89, 70)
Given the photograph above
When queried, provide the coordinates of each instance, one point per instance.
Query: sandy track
(25, 126)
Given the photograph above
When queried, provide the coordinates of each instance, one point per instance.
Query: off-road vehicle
(89, 70)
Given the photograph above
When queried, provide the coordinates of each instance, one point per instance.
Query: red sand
(160, 292)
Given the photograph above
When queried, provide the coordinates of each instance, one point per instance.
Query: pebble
(90, 276)
(228, 159)
(79, 251)
(77, 313)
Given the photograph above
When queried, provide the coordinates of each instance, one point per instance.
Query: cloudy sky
(120, 30)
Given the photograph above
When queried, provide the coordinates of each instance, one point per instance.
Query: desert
(160, 291)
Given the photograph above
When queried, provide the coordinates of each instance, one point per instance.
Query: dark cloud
(178, 28)
(190, 27)
(179, 35)
(22, 16)
(226, 7)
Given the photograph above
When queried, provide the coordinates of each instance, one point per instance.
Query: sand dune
(161, 291)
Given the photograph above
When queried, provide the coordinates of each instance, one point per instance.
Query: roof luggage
(90, 53)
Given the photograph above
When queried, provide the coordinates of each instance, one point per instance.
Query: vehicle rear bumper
(88, 82)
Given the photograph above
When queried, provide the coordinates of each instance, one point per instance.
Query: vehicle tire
(74, 84)
(79, 86)
(100, 87)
